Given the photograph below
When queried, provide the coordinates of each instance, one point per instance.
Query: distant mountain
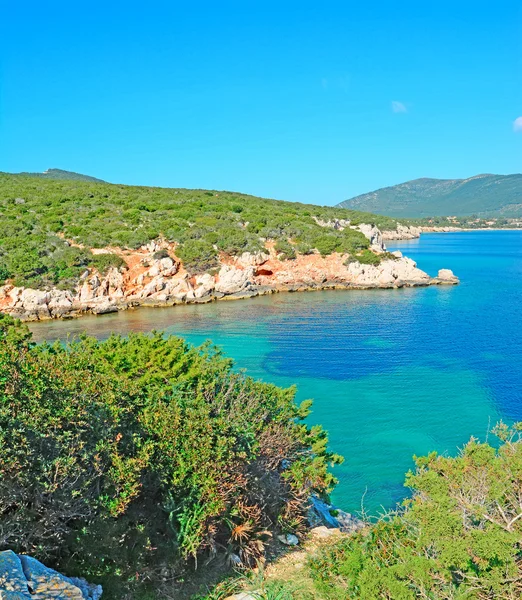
(482, 195)
(60, 174)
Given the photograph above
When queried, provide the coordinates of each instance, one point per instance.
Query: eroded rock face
(25, 577)
(445, 277)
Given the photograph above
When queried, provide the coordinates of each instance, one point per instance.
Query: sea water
(393, 373)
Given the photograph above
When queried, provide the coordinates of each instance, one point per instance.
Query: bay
(393, 373)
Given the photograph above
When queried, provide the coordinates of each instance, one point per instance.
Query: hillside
(48, 226)
(482, 195)
(60, 174)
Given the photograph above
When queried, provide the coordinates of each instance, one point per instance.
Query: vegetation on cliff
(38, 215)
(459, 536)
(127, 458)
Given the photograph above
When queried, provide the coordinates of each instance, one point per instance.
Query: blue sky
(310, 101)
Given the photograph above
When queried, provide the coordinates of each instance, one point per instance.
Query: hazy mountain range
(482, 195)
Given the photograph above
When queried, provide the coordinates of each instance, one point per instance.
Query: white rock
(31, 298)
(249, 259)
(232, 280)
(204, 285)
(446, 275)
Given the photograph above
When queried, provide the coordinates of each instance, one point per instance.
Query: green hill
(38, 215)
(482, 195)
(60, 174)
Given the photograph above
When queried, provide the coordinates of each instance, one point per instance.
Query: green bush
(367, 257)
(128, 455)
(198, 256)
(163, 253)
(285, 250)
(459, 536)
(103, 262)
(326, 244)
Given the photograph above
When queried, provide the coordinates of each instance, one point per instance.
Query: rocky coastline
(409, 232)
(150, 280)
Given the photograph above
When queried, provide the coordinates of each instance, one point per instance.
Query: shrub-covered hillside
(124, 459)
(37, 215)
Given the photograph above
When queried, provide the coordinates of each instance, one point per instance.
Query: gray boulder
(24, 577)
(320, 513)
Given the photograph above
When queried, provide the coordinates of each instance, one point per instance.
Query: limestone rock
(446, 274)
(32, 298)
(249, 259)
(446, 277)
(60, 303)
(204, 285)
(403, 232)
(322, 532)
(232, 280)
(104, 307)
(390, 273)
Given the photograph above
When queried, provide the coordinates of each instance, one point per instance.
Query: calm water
(393, 372)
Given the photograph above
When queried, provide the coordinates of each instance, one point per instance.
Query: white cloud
(398, 107)
(517, 124)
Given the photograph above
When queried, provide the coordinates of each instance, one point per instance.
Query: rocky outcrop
(25, 577)
(374, 235)
(403, 232)
(409, 232)
(401, 272)
(162, 281)
(445, 277)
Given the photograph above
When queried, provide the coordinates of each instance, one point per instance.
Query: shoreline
(79, 312)
(404, 233)
(147, 279)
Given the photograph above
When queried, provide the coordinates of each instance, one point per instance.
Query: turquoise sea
(393, 372)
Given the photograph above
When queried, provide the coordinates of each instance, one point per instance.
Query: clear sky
(312, 101)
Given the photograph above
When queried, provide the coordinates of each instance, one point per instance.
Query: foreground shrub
(125, 455)
(459, 536)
